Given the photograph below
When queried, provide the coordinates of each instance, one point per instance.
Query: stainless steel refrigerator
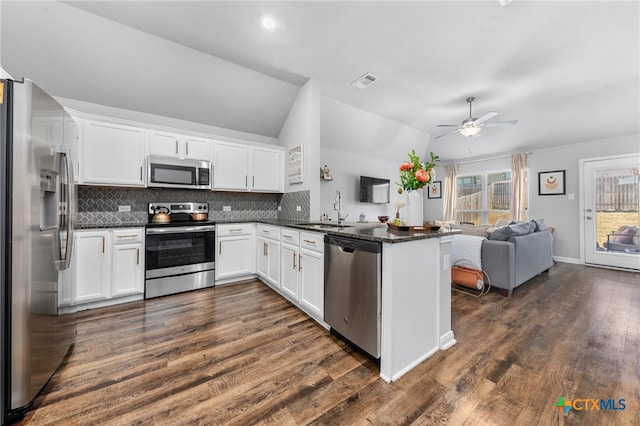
(36, 215)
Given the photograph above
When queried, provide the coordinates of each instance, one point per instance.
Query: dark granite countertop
(80, 226)
(370, 231)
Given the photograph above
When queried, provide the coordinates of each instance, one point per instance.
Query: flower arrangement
(416, 175)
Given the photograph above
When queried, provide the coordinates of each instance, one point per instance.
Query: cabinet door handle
(220, 249)
(176, 146)
(246, 181)
(264, 248)
(140, 173)
(310, 242)
(137, 256)
(294, 261)
(127, 236)
(253, 181)
(103, 241)
(288, 237)
(299, 262)
(187, 147)
(235, 230)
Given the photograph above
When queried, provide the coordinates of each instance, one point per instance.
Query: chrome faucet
(337, 205)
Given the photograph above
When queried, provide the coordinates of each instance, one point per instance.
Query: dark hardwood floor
(241, 354)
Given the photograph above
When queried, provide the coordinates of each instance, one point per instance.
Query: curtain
(450, 194)
(518, 186)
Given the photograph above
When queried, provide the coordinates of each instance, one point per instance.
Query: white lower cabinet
(312, 273)
(289, 263)
(268, 253)
(92, 272)
(302, 270)
(235, 249)
(126, 263)
(107, 265)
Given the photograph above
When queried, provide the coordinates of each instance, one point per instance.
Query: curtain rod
(497, 157)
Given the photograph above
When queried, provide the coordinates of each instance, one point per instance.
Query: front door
(610, 211)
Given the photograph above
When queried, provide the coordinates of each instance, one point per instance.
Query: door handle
(220, 249)
(253, 182)
(187, 147)
(264, 249)
(137, 256)
(103, 241)
(176, 146)
(294, 262)
(140, 172)
(299, 262)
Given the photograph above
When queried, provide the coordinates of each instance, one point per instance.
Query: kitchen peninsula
(416, 293)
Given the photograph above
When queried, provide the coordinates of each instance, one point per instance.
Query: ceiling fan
(472, 126)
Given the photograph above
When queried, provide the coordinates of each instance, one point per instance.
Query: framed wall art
(435, 189)
(551, 183)
(295, 170)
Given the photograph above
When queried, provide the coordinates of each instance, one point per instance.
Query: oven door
(179, 250)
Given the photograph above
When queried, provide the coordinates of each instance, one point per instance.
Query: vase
(414, 208)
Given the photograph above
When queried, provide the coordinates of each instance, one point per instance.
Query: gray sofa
(509, 259)
(517, 260)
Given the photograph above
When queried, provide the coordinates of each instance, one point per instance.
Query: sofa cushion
(506, 232)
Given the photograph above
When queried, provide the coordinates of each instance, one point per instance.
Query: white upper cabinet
(230, 166)
(247, 168)
(112, 154)
(179, 146)
(268, 173)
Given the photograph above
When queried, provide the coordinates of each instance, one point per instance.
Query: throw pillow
(626, 236)
(539, 225)
(477, 230)
(506, 232)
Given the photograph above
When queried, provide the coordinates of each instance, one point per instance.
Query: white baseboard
(447, 340)
(567, 260)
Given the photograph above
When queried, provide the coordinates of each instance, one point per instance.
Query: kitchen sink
(325, 225)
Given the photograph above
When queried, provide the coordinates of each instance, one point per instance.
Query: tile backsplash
(99, 204)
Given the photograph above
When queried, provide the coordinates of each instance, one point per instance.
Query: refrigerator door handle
(66, 208)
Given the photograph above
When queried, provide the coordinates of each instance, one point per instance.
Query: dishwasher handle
(350, 245)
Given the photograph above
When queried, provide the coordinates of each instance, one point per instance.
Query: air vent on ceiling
(365, 81)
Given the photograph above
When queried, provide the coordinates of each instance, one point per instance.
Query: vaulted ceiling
(567, 71)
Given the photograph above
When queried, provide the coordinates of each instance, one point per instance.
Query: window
(483, 198)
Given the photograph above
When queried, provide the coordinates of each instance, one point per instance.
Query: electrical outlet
(124, 209)
(298, 208)
(226, 208)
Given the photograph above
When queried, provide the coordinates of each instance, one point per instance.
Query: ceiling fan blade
(486, 117)
(448, 125)
(501, 123)
(447, 133)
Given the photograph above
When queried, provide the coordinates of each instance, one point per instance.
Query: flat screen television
(374, 190)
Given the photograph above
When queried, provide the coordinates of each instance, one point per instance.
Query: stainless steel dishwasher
(352, 287)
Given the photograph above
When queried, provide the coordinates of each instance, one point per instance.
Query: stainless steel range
(180, 248)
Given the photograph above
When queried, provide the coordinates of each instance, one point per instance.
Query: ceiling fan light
(470, 131)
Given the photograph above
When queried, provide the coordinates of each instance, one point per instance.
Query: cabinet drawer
(234, 229)
(312, 241)
(289, 236)
(127, 236)
(268, 231)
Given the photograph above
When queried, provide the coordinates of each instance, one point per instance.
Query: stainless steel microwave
(167, 172)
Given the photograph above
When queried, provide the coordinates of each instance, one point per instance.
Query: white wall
(350, 129)
(142, 117)
(356, 142)
(346, 169)
(558, 211)
(302, 127)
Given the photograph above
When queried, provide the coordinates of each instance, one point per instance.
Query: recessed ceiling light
(268, 22)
